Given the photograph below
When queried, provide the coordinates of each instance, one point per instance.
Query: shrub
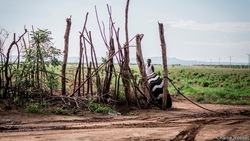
(99, 108)
(200, 99)
(60, 111)
(205, 84)
(159, 73)
(32, 108)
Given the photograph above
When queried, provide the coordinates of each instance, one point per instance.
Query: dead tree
(79, 69)
(3, 37)
(83, 77)
(125, 68)
(109, 67)
(109, 70)
(65, 54)
(7, 71)
(165, 67)
(95, 64)
(80, 65)
(141, 65)
(120, 55)
(89, 80)
(87, 63)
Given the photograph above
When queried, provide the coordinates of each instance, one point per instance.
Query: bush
(159, 73)
(32, 108)
(60, 111)
(205, 84)
(99, 108)
(200, 99)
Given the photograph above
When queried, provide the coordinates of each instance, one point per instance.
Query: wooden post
(88, 78)
(80, 64)
(126, 75)
(141, 65)
(83, 77)
(165, 68)
(65, 55)
(109, 70)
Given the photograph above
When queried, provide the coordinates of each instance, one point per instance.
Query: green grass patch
(61, 111)
(210, 84)
(99, 108)
(232, 102)
(33, 108)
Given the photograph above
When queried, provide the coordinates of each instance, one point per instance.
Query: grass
(210, 84)
(61, 111)
(32, 108)
(205, 84)
(99, 108)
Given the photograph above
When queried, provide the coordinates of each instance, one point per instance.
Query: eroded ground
(184, 121)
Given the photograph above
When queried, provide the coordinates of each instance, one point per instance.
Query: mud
(184, 122)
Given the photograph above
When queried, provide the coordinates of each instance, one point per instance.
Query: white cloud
(215, 27)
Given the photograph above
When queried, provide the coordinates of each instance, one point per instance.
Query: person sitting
(149, 67)
(156, 85)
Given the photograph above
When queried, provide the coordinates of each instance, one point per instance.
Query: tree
(65, 54)
(3, 36)
(40, 55)
(126, 72)
(165, 66)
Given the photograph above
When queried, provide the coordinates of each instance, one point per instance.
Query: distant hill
(156, 60)
(174, 61)
(171, 61)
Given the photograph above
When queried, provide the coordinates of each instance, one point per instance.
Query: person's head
(149, 61)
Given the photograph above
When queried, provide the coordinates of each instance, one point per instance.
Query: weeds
(99, 108)
(33, 108)
(61, 111)
(217, 85)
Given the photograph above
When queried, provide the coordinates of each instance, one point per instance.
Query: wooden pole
(141, 65)
(109, 70)
(89, 82)
(65, 55)
(165, 68)
(126, 75)
(80, 64)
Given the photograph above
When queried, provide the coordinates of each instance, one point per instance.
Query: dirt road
(183, 122)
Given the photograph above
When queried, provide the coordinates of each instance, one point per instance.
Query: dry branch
(141, 65)
(65, 54)
(126, 60)
(165, 67)
(6, 65)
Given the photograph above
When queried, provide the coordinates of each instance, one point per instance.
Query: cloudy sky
(203, 30)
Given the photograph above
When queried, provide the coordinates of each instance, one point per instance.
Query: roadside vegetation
(205, 84)
(218, 85)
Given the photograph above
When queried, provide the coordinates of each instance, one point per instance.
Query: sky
(202, 30)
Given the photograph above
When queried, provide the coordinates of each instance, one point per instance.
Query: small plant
(200, 99)
(61, 111)
(33, 108)
(205, 84)
(159, 73)
(99, 108)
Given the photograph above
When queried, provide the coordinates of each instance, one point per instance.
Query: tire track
(189, 134)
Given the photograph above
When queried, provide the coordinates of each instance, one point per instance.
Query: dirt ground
(184, 121)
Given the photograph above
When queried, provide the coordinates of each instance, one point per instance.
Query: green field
(203, 83)
(210, 84)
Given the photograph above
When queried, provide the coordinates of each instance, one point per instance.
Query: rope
(171, 81)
